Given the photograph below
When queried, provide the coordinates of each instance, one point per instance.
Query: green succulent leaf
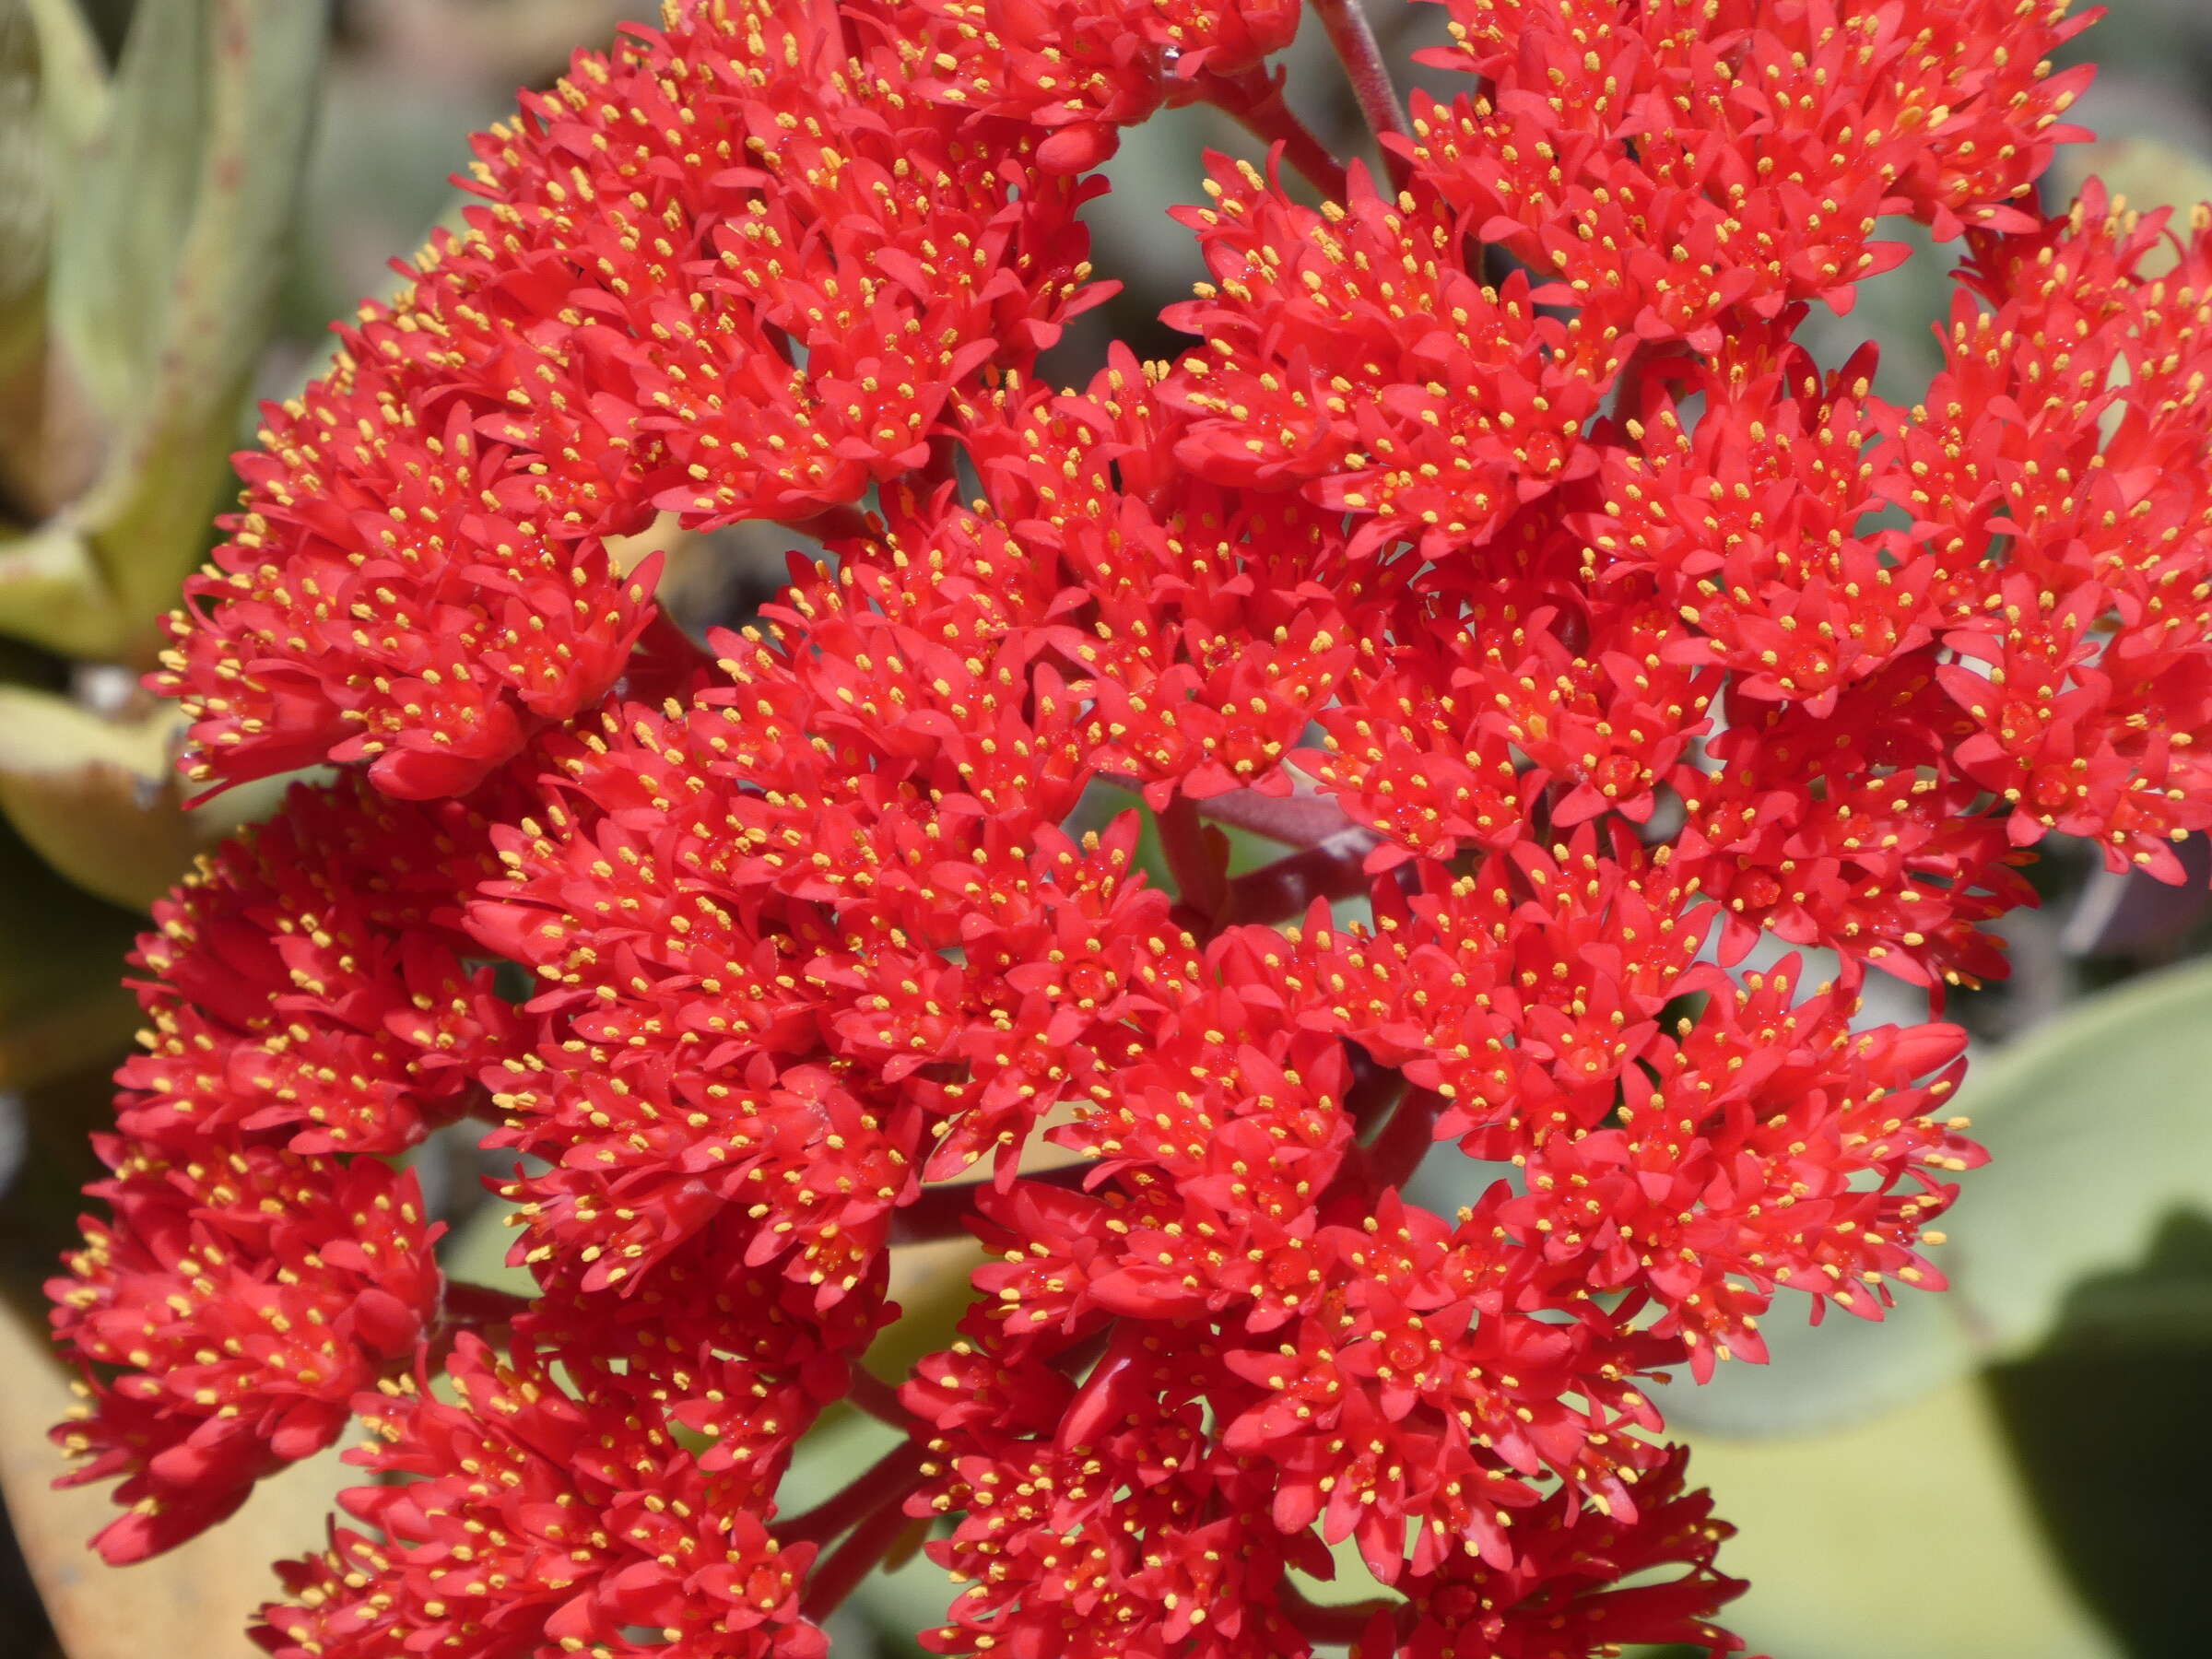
(51, 91)
(173, 221)
(74, 94)
(23, 209)
(148, 510)
(2097, 1130)
(1903, 1536)
(98, 799)
(2089, 1414)
(131, 193)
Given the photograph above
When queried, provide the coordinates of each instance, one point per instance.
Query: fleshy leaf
(168, 245)
(1920, 1501)
(98, 799)
(2087, 1416)
(192, 1596)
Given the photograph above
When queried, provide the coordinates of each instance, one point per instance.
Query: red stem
(1255, 100)
(853, 1560)
(1376, 1088)
(1198, 859)
(1394, 1154)
(477, 1307)
(1080, 1355)
(887, 1480)
(834, 524)
(872, 1394)
(471, 1308)
(1354, 40)
(942, 466)
(943, 1211)
(1296, 820)
(663, 649)
(1332, 1627)
(1643, 362)
(1332, 870)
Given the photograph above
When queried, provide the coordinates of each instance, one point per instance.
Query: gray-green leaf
(171, 232)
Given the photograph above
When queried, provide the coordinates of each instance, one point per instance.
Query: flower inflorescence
(1498, 551)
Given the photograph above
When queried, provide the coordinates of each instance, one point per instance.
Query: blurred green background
(189, 189)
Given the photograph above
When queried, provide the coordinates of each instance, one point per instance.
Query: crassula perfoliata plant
(1494, 551)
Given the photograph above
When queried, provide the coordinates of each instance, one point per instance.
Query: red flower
(1569, 1590)
(1074, 67)
(669, 301)
(235, 1301)
(1081, 69)
(1564, 624)
(1418, 1387)
(2080, 657)
(1225, 39)
(541, 1512)
(1855, 833)
(1673, 168)
(1313, 375)
(311, 980)
(1769, 1149)
(1188, 1561)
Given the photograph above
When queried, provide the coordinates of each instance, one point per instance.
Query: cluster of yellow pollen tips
(779, 281)
(1431, 707)
(1313, 372)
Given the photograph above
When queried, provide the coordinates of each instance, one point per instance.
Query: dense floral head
(231, 1307)
(1597, 683)
(530, 1507)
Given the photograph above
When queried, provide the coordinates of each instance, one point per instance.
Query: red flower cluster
(1496, 552)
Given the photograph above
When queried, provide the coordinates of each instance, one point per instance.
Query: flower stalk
(1578, 635)
(1352, 38)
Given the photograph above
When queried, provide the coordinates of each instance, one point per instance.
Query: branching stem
(884, 1482)
(943, 1211)
(872, 1394)
(858, 1556)
(1198, 858)
(479, 1307)
(1255, 100)
(1334, 870)
(1332, 1627)
(466, 1309)
(1396, 1151)
(1361, 57)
